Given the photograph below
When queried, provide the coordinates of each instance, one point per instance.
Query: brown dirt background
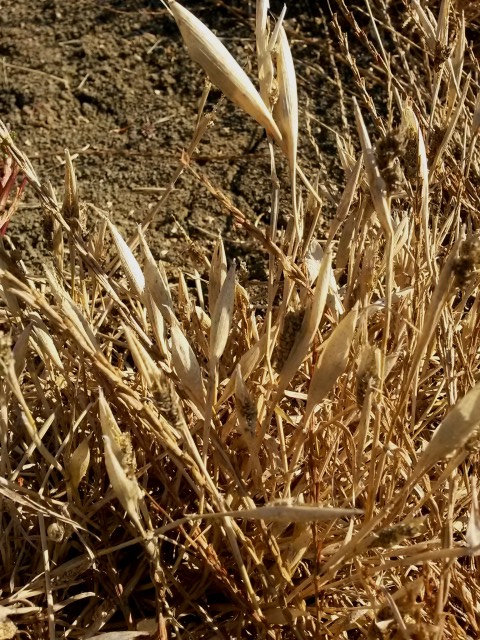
(112, 82)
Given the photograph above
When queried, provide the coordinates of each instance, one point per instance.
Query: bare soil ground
(113, 83)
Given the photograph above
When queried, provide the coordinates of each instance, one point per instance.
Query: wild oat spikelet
(221, 68)
(125, 486)
(285, 110)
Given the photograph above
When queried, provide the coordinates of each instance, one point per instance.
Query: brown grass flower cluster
(177, 462)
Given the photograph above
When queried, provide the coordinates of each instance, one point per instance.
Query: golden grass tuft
(179, 463)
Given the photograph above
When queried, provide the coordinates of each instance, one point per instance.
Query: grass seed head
(124, 485)
(222, 317)
(332, 362)
(132, 269)
(222, 69)
(186, 365)
(285, 110)
(264, 58)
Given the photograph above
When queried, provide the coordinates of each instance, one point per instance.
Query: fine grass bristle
(183, 457)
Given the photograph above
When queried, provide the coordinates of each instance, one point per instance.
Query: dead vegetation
(177, 463)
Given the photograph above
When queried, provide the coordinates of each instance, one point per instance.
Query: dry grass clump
(177, 463)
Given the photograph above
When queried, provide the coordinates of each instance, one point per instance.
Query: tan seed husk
(222, 317)
(332, 362)
(221, 68)
(264, 58)
(77, 466)
(309, 327)
(218, 273)
(132, 269)
(186, 365)
(285, 110)
(125, 488)
(454, 431)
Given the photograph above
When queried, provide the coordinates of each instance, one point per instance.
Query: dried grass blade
(28, 420)
(378, 188)
(452, 123)
(248, 363)
(410, 121)
(19, 352)
(457, 63)
(110, 427)
(346, 200)
(120, 635)
(144, 363)
(71, 206)
(284, 513)
(472, 534)
(245, 405)
(432, 316)
(285, 113)
(285, 110)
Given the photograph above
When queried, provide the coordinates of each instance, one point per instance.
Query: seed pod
(221, 68)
